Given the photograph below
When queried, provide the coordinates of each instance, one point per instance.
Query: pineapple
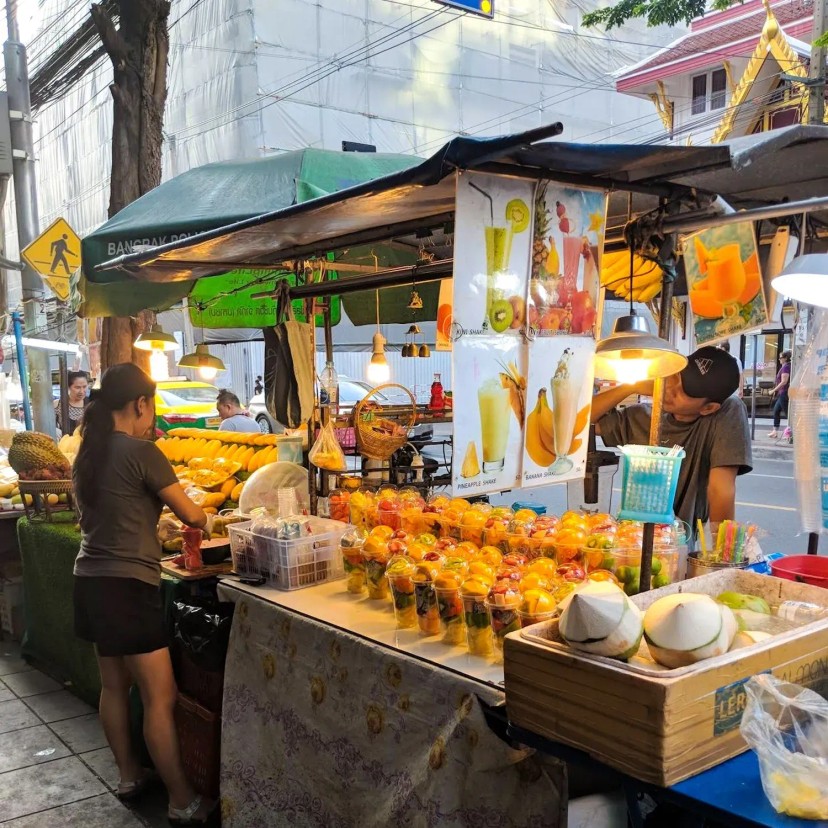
(471, 463)
(539, 248)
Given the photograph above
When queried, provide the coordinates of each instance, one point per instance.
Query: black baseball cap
(711, 373)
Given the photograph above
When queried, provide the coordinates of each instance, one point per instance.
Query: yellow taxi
(181, 403)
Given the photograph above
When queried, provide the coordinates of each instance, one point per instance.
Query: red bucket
(805, 569)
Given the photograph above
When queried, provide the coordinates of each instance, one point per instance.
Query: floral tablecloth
(322, 728)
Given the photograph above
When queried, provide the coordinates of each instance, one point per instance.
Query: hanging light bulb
(155, 339)
(202, 361)
(159, 366)
(631, 353)
(378, 371)
(805, 279)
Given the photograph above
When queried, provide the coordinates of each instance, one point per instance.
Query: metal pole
(816, 70)
(21, 368)
(755, 383)
(64, 392)
(25, 198)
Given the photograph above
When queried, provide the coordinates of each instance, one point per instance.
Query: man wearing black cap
(702, 416)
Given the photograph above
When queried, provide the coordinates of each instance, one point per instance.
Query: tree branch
(111, 38)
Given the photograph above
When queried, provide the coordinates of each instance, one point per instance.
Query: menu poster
(558, 403)
(724, 282)
(567, 242)
(444, 315)
(489, 405)
(492, 237)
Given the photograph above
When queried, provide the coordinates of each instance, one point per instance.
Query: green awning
(208, 197)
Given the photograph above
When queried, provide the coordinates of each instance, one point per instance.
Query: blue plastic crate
(649, 477)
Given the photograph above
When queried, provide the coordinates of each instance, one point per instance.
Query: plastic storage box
(289, 564)
(649, 478)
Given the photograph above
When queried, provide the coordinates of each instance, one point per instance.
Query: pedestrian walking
(780, 392)
(258, 388)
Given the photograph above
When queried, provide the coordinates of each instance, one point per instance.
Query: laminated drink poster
(558, 403)
(567, 243)
(489, 405)
(492, 237)
(724, 282)
(445, 315)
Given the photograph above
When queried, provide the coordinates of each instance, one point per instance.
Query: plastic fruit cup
(627, 568)
(354, 563)
(478, 623)
(402, 594)
(450, 609)
(528, 618)
(504, 617)
(411, 520)
(428, 615)
(376, 581)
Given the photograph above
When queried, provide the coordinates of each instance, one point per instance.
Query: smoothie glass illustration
(726, 274)
(498, 250)
(565, 392)
(493, 401)
(572, 249)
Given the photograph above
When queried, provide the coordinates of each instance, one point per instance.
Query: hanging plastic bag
(326, 452)
(787, 727)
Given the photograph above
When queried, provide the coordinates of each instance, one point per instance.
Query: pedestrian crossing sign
(55, 254)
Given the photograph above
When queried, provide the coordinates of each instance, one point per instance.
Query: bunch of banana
(615, 276)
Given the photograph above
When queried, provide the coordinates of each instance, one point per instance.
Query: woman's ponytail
(120, 386)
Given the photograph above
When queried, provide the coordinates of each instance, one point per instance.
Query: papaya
(704, 304)
(702, 254)
(753, 284)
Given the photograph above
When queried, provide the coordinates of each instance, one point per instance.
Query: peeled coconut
(600, 619)
(748, 637)
(686, 627)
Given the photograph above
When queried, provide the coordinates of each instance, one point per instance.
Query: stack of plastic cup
(805, 423)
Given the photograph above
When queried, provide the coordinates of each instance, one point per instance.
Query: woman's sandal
(185, 816)
(127, 791)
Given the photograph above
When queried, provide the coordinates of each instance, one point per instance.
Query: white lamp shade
(805, 279)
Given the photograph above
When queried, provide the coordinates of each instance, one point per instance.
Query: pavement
(55, 766)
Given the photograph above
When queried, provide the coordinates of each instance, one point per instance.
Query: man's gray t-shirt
(120, 538)
(240, 422)
(720, 439)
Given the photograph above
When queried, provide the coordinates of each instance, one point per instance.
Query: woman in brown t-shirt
(122, 481)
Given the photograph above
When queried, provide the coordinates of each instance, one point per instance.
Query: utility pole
(25, 202)
(816, 71)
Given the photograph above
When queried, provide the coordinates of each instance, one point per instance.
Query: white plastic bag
(262, 489)
(787, 727)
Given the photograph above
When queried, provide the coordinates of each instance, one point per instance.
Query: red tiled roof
(708, 35)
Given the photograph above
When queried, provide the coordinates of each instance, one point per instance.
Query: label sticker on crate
(730, 704)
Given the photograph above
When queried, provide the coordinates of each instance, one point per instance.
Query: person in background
(78, 384)
(780, 392)
(233, 416)
(258, 388)
(122, 481)
(702, 416)
(725, 346)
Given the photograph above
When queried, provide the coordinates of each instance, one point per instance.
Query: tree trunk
(138, 48)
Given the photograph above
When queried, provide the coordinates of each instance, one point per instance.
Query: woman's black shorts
(120, 616)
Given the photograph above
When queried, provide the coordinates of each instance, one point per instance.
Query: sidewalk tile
(49, 785)
(103, 763)
(10, 660)
(52, 707)
(14, 715)
(82, 734)
(5, 693)
(99, 812)
(31, 746)
(30, 684)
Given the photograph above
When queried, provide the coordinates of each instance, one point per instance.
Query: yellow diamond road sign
(55, 254)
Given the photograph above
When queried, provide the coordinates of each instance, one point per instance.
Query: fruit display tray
(658, 725)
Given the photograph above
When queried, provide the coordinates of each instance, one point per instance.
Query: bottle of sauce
(438, 398)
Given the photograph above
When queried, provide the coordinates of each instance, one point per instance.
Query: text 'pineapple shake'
(565, 392)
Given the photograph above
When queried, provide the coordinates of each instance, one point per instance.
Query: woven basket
(372, 441)
(39, 491)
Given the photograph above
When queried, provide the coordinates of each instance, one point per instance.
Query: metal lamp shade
(155, 339)
(805, 279)
(632, 349)
(201, 359)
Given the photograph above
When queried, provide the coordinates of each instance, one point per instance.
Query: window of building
(699, 103)
(716, 83)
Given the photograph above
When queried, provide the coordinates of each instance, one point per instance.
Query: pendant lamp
(155, 339)
(805, 279)
(203, 361)
(378, 371)
(631, 353)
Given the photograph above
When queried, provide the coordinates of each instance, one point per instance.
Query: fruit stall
(377, 646)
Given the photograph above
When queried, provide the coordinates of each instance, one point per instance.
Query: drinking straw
(701, 538)
(484, 193)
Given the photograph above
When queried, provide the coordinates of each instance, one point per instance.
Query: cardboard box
(660, 726)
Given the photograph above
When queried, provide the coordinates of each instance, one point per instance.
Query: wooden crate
(657, 725)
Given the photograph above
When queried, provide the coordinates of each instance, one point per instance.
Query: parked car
(186, 404)
(351, 391)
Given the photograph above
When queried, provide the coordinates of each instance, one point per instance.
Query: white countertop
(373, 620)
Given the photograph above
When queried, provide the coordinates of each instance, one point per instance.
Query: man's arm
(721, 493)
(612, 397)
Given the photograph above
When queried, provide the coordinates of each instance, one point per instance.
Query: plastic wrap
(787, 727)
(262, 488)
